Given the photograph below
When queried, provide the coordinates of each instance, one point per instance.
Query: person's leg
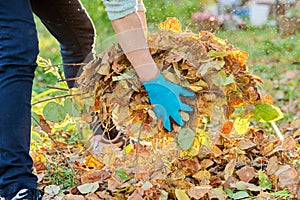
(18, 52)
(70, 24)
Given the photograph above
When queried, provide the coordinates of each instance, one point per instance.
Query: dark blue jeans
(69, 23)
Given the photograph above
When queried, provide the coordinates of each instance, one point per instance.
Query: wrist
(147, 72)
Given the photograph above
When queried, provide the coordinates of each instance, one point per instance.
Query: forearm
(132, 39)
(141, 10)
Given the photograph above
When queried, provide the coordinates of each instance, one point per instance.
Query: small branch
(277, 131)
(58, 97)
(58, 88)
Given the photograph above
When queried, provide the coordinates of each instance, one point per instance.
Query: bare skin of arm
(131, 36)
(142, 16)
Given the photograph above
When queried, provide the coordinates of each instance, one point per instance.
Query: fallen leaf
(185, 138)
(272, 166)
(202, 175)
(295, 124)
(288, 179)
(245, 144)
(88, 188)
(92, 196)
(229, 168)
(226, 127)
(93, 162)
(197, 192)
(52, 190)
(246, 173)
(181, 195)
(135, 195)
(217, 193)
(241, 185)
(73, 197)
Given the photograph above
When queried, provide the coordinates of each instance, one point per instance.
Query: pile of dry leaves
(217, 154)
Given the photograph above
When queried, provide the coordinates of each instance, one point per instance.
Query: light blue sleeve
(119, 8)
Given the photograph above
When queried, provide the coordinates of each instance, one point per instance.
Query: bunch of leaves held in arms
(203, 63)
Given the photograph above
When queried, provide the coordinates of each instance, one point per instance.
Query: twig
(58, 88)
(277, 131)
(58, 97)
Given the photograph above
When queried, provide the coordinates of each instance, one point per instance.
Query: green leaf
(54, 112)
(35, 119)
(240, 195)
(282, 194)
(217, 54)
(207, 67)
(264, 112)
(229, 192)
(126, 75)
(221, 79)
(71, 108)
(264, 181)
(185, 138)
(181, 195)
(122, 174)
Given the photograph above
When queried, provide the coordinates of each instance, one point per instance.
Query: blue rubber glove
(165, 95)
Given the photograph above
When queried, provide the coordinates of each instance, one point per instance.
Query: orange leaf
(239, 56)
(267, 99)
(226, 127)
(93, 162)
(171, 24)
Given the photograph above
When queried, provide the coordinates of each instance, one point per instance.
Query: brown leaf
(245, 144)
(289, 143)
(229, 168)
(217, 193)
(272, 166)
(197, 192)
(246, 174)
(44, 125)
(94, 175)
(202, 175)
(39, 166)
(114, 183)
(288, 179)
(191, 166)
(206, 163)
(136, 195)
(105, 195)
(92, 196)
(229, 181)
(73, 197)
(295, 124)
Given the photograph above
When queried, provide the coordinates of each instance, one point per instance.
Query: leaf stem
(277, 131)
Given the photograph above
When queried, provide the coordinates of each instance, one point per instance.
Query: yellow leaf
(171, 24)
(93, 161)
(181, 195)
(241, 124)
(204, 139)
